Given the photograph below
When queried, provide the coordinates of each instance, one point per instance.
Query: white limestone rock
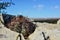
(51, 30)
(7, 34)
(58, 22)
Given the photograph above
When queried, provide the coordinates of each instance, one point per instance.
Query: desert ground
(51, 32)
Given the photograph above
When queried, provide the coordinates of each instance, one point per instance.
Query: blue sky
(35, 8)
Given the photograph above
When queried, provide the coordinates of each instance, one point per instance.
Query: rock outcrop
(50, 30)
(58, 22)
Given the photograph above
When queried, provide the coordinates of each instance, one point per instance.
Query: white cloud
(56, 7)
(19, 13)
(38, 6)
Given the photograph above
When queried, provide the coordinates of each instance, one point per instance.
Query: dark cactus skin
(7, 18)
(19, 24)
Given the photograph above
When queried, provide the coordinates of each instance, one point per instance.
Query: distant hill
(48, 20)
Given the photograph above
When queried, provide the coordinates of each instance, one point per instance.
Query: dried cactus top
(19, 24)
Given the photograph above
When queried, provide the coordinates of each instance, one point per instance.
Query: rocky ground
(51, 30)
(43, 31)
